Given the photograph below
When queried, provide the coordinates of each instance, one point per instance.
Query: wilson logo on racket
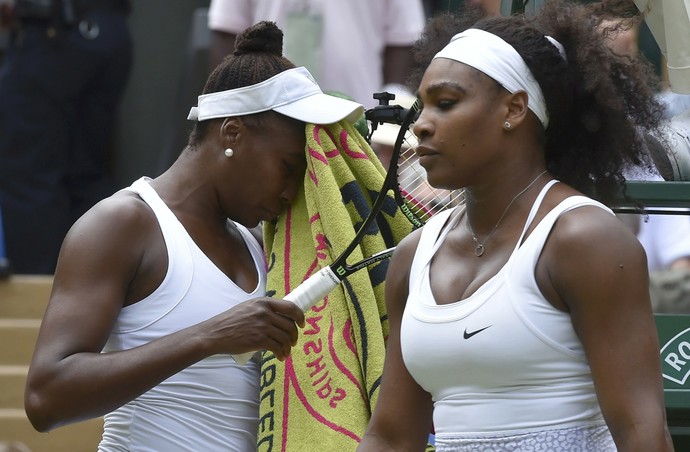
(411, 216)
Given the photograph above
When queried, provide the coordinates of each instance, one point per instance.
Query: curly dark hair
(601, 105)
(258, 56)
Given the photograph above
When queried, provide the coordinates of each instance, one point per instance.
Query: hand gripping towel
(322, 396)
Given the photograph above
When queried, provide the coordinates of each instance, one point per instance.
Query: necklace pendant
(479, 250)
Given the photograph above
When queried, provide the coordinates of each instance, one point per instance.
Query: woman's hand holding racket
(417, 200)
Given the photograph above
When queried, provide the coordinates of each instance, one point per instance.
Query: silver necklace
(479, 248)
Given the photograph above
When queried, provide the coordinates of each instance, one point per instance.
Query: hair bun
(263, 37)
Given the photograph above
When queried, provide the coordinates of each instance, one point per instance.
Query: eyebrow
(444, 85)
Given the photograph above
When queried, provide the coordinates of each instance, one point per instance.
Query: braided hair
(601, 105)
(258, 56)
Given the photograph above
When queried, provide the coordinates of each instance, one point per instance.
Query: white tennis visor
(293, 93)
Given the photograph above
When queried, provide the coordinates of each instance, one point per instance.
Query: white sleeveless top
(505, 369)
(212, 405)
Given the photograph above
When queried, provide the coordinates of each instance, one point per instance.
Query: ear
(517, 110)
(231, 131)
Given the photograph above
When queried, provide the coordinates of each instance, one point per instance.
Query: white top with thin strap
(211, 405)
(503, 361)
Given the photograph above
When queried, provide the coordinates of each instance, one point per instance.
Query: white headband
(293, 93)
(496, 58)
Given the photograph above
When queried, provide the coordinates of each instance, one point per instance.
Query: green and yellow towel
(322, 396)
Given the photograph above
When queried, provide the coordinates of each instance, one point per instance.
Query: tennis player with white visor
(159, 284)
(293, 93)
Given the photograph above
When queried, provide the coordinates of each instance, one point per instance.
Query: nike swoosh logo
(467, 335)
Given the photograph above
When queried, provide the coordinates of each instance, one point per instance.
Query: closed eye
(446, 104)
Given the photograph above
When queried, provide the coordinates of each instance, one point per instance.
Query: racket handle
(314, 289)
(306, 295)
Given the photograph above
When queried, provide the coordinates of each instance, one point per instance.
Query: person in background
(383, 138)
(5, 265)
(490, 7)
(664, 237)
(629, 35)
(677, 104)
(668, 242)
(357, 47)
(61, 82)
(159, 284)
(511, 315)
(435, 7)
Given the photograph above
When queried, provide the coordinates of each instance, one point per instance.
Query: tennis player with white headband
(521, 320)
(159, 284)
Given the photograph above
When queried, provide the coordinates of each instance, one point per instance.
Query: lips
(425, 154)
(423, 151)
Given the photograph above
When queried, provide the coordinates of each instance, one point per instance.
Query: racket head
(416, 198)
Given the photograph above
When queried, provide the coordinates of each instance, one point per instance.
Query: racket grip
(306, 295)
(314, 289)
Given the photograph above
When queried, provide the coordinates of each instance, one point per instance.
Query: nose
(422, 126)
(291, 189)
(288, 195)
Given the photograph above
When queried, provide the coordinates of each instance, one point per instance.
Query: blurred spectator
(5, 266)
(490, 7)
(434, 7)
(356, 47)
(4, 13)
(666, 241)
(676, 103)
(631, 36)
(61, 81)
(665, 238)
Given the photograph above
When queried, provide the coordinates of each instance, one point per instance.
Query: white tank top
(213, 404)
(503, 361)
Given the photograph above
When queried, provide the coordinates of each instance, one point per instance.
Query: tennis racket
(417, 200)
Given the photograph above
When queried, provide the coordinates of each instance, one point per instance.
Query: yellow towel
(321, 398)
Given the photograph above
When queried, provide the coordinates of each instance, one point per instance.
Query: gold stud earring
(229, 152)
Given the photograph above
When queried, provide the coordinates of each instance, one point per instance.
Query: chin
(256, 222)
(435, 182)
(247, 222)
